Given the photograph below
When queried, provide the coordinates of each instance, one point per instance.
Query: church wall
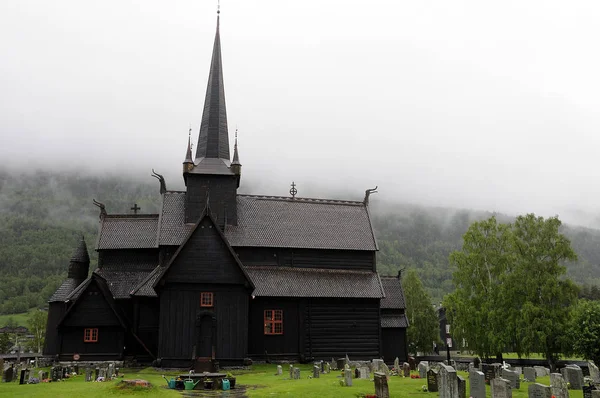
(56, 311)
(394, 344)
(128, 259)
(109, 346)
(146, 317)
(91, 310)
(308, 258)
(222, 197)
(179, 309)
(273, 346)
(336, 327)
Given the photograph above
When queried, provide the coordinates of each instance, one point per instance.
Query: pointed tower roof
(188, 153)
(236, 157)
(80, 255)
(213, 141)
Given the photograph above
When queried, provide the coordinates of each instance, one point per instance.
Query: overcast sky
(489, 105)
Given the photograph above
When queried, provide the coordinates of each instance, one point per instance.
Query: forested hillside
(42, 215)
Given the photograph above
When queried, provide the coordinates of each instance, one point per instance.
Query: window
(273, 321)
(90, 335)
(206, 299)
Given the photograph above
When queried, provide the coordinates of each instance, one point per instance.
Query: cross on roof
(293, 190)
(135, 208)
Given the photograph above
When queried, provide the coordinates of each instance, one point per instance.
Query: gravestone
(96, 373)
(89, 374)
(423, 368)
(111, 371)
(559, 386)
(334, 365)
(529, 374)
(348, 377)
(412, 363)
(54, 373)
(316, 371)
(500, 388)
(537, 390)
(574, 376)
(117, 372)
(513, 377)
(541, 371)
(476, 384)
(462, 387)
(291, 371)
(594, 373)
(448, 384)
(385, 370)
(588, 390)
(7, 375)
(102, 373)
(327, 367)
(405, 369)
(377, 364)
(41, 375)
(381, 385)
(397, 365)
(322, 365)
(491, 371)
(432, 380)
(76, 369)
(23, 378)
(45, 376)
(279, 370)
(596, 394)
(341, 363)
(356, 373)
(296, 373)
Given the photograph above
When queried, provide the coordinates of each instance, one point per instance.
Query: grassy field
(20, 319)
(260, 382)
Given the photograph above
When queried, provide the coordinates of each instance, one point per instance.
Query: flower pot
(208, 384)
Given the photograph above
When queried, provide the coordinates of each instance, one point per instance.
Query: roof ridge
(306, 269)
(175, 191)
(134, 216)
(305, 200)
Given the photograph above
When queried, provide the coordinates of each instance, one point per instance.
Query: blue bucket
(225, 384)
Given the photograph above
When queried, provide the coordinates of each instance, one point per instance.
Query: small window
(206, 299)
(273, 321)
(90, 335)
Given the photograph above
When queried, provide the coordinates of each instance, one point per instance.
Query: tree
(510, 291)
(37, 327)
(423, 329)
(585, 330)
(4, 343)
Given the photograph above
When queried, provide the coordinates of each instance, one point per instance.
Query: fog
(466, 104)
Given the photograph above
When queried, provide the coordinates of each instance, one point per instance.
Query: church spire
(213, 140)
(236, 166)
(188, 163)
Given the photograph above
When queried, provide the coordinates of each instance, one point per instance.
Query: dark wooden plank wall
(223, 202)
(179, 307)
(286, 345)
(336, 327)
(394, 344)
(110, 343)
(146, 321)
(205, 258)
(309, 258)
(138, 259)
(91, 310)
(52, 342)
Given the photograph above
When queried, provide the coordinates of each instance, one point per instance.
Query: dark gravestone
(462, 387)
(7, 375)
(432, 382)
(356, 373)
(45, 376)
(316, 371)
(381, 385)
(96, 373)
(341, 362)
(587, 391)
(23, 378)
(412, 363)
(537, 390)
(76, 369)
(54, 373)
(89, 374)
(406, 369)
(477, 384)
(489, 372)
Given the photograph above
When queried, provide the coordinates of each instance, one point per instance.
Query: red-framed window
(273, 321)
(206, 299)
(90, 335)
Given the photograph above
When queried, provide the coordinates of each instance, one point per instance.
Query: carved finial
(368, 193)
(161, 179)
(218, 7)
(293, 190)
(102, 209)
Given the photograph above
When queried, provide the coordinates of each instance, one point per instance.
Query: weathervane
(293, 190)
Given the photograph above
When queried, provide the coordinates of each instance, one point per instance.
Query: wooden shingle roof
(128, 231)
(394, 295)
(394, 321)
(271, 281)
(65, 289)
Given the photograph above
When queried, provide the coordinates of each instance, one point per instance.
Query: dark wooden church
(221, 276)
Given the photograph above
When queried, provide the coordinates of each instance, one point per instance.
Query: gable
(91, 309)
(205, 257)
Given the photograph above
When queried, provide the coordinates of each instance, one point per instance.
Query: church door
(204, 336)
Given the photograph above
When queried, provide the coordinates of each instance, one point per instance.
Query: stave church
(220, 277)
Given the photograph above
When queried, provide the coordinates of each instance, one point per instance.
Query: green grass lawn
(261, 382)
(20, 319)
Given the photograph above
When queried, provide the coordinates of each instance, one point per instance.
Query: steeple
(236, 166)
(213, 140)
(188, 163)
(80, 262)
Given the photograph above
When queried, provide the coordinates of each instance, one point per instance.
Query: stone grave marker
(405, 369)
(462, 387)
(111, 370)
(423, 368)
(279, 370)
(102, 373)
(537, 390)
(296, 374)
(432, 380)
(397, 365)
(348, 377)
(381, 385)
(476, 384)
(529, 374)
(22, 377)
(594, 373)
(327, 367)
(513, 377)
(574, 376)
(7, 375)
(385, 370)
(333, 364)
(117, 372)
(54, 373)
(412, 363)
(491, 371)
(587, 391)
(41, 375)
(595, 393)
(45, 376)
(76, 369)
(322, 365)
(448, 384)
(341, 363)
(500, 388)
(291, 371)
(377, 364)
(89, 374)
(540, 371)
(364, 372)
(559, 386)
(316, 371)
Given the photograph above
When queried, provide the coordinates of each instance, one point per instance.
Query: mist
(460, 104)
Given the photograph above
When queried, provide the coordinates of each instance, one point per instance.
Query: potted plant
(231, 379)
(208, 384)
